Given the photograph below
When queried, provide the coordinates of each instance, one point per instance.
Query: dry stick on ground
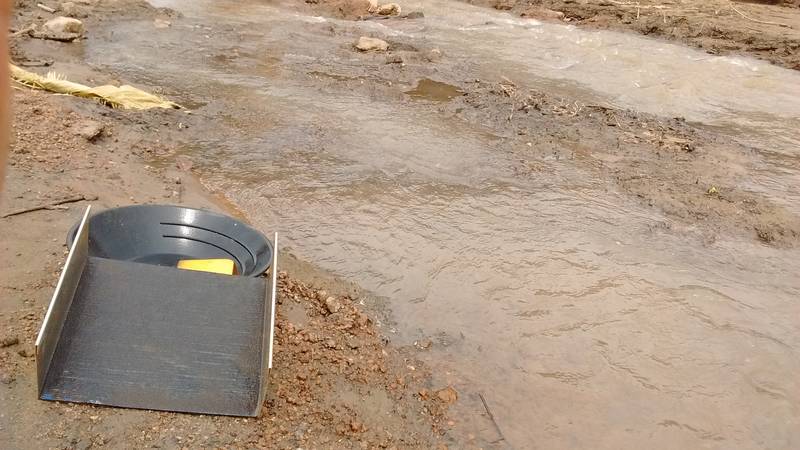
(25, 30)
(491, 417)
(637, 5)
(52, 205)
(765, 22)
(45, 8)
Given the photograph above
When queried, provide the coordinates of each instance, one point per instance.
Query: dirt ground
(339, 384)
(769, 30)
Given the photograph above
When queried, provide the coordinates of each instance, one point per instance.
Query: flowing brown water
(580, 321)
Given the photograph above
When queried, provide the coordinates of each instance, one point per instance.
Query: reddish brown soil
(336, 382)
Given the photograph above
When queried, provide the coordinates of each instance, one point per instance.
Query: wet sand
(562, 246)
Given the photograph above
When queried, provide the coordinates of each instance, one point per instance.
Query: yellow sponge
(223, 266)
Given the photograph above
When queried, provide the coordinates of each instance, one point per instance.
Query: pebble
(394, 59)
(542, 13)
(6, 378)
(65, 25)
(89, 129)
(332, 305)
(70, 9)
(447, 395)
(8, 341)
(389, 9)
(366, 44)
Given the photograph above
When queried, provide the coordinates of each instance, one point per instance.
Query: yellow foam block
(223, 266)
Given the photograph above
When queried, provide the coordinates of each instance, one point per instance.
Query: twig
(491, 417)
(52, 205)
(46, 8)
(25, 30)
(765, 22)
(637, 5)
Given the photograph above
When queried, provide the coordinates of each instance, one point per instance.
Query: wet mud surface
(336, 382)
(593, 246)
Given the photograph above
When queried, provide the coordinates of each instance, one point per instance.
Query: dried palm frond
(126, 97)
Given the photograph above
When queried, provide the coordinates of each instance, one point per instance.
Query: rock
(65, 25)
(394, 59)
(357, 427)
(447, 395)
(542, 13)
(6, 378)
(322, 295)
(332, 305)
(414, 15)
(70, 9)
(26, 352)
(503, 5)
(433, 55)
(366, 44)
(9, 341)
(161, 23)
(423, 344)
(88, 129)
(389, 9)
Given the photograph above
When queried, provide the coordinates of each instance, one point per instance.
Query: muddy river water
(580, 321)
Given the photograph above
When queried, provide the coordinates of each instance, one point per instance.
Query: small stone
(357, 427)
(433, 55)
(65, 25)
(70, 9)
(542, 14)
(366, 44)
(332, 305)
(161, 23)
(503, 5)
(322, 295)
(6, 378)
(394, 59)
(9, 341)
(88, 129)
(389, 9)
(25, 353)
(423, 344)
(447, 395)
(414, 15)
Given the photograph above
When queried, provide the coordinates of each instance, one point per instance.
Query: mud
(594, 247)
(766, 30)
(336, 382)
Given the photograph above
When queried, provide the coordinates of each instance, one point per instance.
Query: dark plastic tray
(162, 235)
